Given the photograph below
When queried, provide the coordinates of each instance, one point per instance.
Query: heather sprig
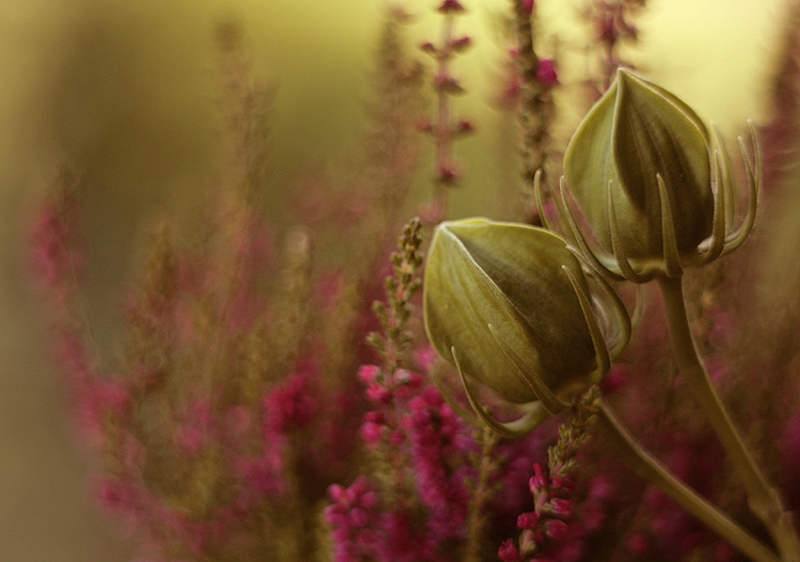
(393, 147)
(390, 387)
(392, 343)
(483, 489)
(612, 26)
(445, 129)
(537, 78)
(211, 435)
(548, 523)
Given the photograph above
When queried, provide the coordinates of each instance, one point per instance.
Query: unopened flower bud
(509, 305)
(643, 169)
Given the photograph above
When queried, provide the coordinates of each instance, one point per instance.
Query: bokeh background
(126, 90)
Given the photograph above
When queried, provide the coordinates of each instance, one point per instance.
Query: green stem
(763, 499)
(649, 468)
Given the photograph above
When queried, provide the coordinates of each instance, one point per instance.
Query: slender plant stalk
(649, 468)
(444, 127)
(532, 115)
(763, 499)
(487, 465)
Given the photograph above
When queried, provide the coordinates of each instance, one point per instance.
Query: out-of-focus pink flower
(546, 73)
(290, 405)
(509, 552)
(528, 6)
(451, 6)
(353, 515)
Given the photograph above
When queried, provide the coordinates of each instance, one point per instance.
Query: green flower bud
(509, 305)
(643, 169)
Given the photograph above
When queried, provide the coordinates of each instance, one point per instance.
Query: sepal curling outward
(510, 306)
(656, 191)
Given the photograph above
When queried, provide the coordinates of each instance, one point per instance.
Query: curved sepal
(517, 428)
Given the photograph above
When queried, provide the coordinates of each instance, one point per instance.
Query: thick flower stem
(763, 499)
(649, 468)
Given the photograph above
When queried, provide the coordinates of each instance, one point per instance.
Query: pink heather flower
(428, 48)
(447, 174)
(54, 256)
(556, 529)
(263, 475)
(405, 540)
(461, 44)
(509, 552)
(638, 545)
(464, 127)
(116, 494)
(451, 6)
(378, 394)
(562, 484)
(352, 515)
(290, 405)
(528, 6)
(372, 432)
(561, 506)
(447, 83)
(95, 401)
(528, 520)
(539, 479)
(546, 73)
(406, 384)
(368, 373)
(425, 358)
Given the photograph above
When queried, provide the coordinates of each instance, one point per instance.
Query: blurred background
(126, 91)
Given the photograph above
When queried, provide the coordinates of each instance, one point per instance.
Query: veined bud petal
(509, 305)
(642, 157)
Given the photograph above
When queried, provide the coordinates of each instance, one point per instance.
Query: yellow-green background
(126, 90)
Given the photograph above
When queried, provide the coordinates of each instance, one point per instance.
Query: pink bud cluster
(420, 505)
(566, 524)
